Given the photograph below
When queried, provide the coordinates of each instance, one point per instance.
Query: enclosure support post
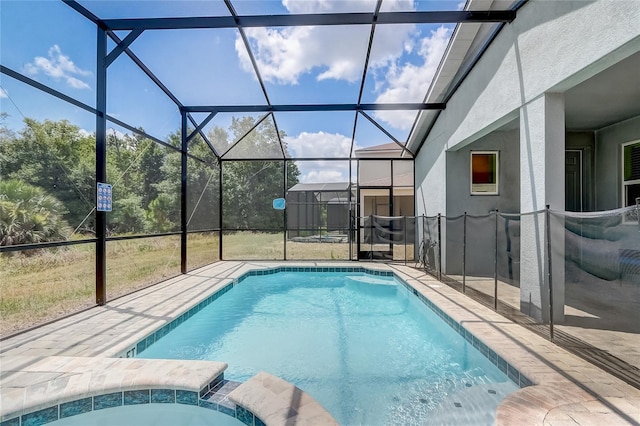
(220, 221)
(284, 213)
(101, 165)
(464, 252)
(495, 265)
(183, 194)
(358, 207)
(549, 271)
(392, 245)
(424, 254)
(371, 237)
(439, 247)
(405, 240)
(351, 214)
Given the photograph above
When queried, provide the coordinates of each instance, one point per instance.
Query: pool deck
(567, 390)
(604, 319)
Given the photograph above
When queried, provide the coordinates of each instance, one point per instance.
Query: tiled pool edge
(87, 404)
(144, 343)
(508, 369)
(564, 385)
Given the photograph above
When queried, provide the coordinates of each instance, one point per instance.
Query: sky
(51, 43)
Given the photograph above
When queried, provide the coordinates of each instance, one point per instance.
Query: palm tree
(29, 215)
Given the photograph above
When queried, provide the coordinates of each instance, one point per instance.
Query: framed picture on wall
(484, 172)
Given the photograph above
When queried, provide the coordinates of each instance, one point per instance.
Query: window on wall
(484, 173)
(631, 173)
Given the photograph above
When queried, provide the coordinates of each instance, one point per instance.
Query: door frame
(581, 175)
(359, 251)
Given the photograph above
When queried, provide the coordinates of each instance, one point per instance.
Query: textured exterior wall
(430, 177)
(542, 156)
(459, 198)
(550, 47)
(609, 164)
(480, 261)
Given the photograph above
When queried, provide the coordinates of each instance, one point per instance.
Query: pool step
(473, 406)
(219, 395)
(277, 402)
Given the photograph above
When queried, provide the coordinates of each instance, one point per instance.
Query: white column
(542, 161)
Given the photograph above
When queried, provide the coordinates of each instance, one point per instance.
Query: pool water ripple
(364, 347)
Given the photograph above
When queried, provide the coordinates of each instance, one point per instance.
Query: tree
(168, 189)
(57, 157)
(6, 134)
(29, 215)
(127, 216)
(159, 214)
(136, 168)
(249, 187)
(151, 161)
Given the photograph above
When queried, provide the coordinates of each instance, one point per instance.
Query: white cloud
(284, 55)
(319, 145)
(331, 173)
(462, 4)
(323, 171)
(60, 67)
(76, 83)
(329, 6)
(410, 82)
(117, 133)
(3, 93)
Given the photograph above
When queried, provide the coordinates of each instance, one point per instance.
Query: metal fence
(574, 277)
(389, 238)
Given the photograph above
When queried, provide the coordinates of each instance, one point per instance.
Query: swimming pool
(362, 345)
(150, 415)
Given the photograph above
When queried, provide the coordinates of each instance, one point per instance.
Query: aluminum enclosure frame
(106, 29)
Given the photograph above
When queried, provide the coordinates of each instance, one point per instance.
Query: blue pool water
(363, 346)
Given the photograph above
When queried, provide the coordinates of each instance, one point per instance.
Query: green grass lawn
(46, 284)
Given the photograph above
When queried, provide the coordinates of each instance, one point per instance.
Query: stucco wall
(480, 231)
(459, 198)
(430, 175)
(550, 47)
(609, 159)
